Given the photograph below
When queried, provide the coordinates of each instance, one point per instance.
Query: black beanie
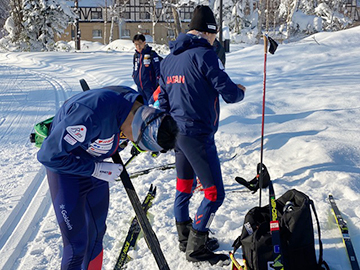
(203, 20)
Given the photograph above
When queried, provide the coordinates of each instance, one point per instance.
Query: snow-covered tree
(35, 23)
(4, 13)
(333, 20)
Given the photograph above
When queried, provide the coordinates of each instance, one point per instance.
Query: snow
(311, 144)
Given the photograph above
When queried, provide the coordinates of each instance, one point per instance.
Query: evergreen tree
(36, 22)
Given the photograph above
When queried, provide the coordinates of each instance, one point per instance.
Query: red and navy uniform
(146, 72)
(191, 82)
(85, 130)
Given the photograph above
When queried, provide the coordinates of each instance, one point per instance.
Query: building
(107, 20)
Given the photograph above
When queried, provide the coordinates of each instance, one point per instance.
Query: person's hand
(107, 171)
(241, 87)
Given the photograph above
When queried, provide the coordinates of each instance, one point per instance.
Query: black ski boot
(197, 250)
(183, 229)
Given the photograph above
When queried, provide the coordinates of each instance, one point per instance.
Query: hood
(187, 41)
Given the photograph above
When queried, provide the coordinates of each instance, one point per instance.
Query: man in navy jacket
(146, 67)
(192, 78)
(84, 132)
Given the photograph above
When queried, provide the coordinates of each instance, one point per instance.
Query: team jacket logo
(175, 79)
(101, 146)
(78, 132)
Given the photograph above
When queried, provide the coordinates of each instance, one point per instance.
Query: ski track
(24, 221)
(32, 216)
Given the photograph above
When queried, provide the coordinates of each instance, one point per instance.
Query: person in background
(84, 132)
(146, 67)
(220, 51)
(192, 78)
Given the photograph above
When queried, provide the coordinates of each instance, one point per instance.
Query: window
(145, 16)
(96, 15)
(97, 33)
(125, 15)
(145, 31)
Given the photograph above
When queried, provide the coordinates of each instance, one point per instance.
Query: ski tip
(154, 191)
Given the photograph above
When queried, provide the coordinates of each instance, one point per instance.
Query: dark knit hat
(203, 20)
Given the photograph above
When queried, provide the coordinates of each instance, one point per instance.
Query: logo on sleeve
(78, 132)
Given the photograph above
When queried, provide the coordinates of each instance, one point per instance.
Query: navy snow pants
(197, 157)
(81, 206)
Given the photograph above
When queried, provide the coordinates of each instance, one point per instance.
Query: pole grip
(265, 43)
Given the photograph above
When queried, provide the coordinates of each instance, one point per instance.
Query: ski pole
(272, 49)
(263, 120)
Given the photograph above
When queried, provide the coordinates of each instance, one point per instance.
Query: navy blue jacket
(191, 81)
(146, 71)
(86, 130)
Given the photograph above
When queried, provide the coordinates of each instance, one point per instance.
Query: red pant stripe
(96, 263)
(184, 185)
(211, 193)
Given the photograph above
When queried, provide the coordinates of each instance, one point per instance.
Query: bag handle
(321, 261)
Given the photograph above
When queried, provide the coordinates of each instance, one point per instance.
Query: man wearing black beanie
(191, 79)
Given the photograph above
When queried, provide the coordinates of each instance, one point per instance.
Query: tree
(4, 13)
(36, 22)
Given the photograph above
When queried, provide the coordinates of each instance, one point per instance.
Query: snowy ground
(311, 144)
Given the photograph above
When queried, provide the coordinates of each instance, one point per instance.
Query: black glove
(253, 185)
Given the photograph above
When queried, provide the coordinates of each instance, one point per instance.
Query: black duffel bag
(296, 234)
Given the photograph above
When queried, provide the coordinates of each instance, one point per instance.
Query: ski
(146, 171)
(84, 85)
(164, 167)
(276, 264)
(345, 234)
(149, 235)
(134, 231)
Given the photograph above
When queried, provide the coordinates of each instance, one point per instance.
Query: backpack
(41, 132)
(296, 235)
